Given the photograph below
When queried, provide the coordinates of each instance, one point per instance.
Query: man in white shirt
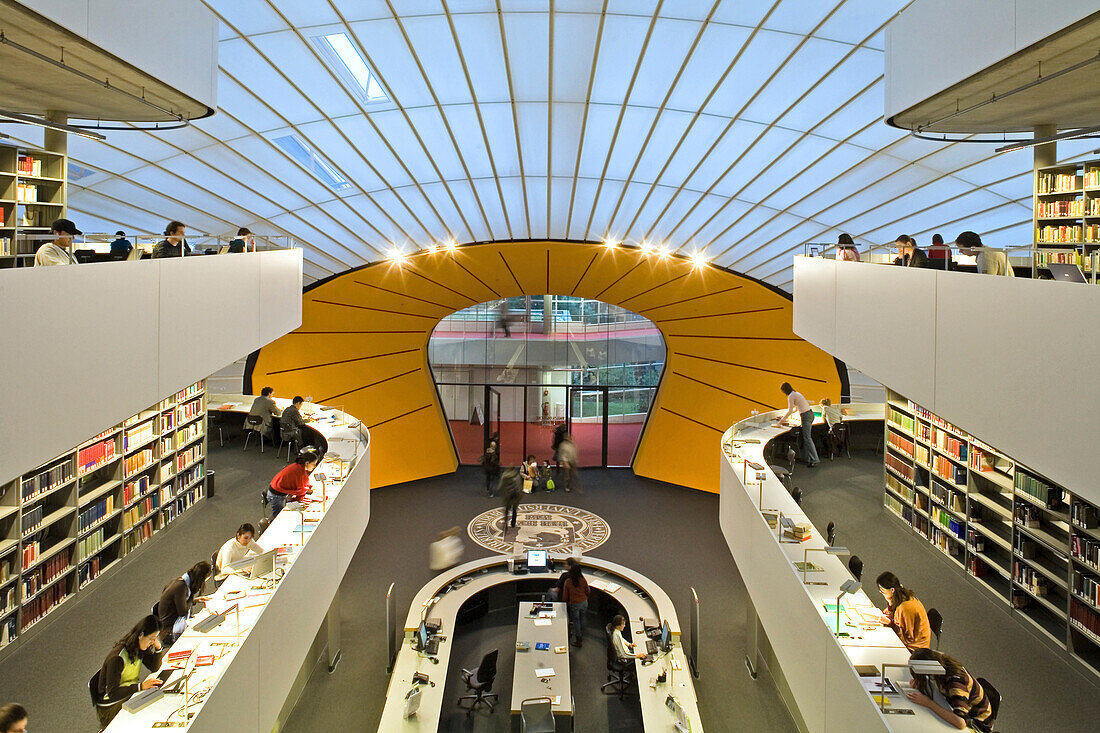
(990, 261)
(796, 402)
(57, 252)
(238, 548)
(623, 648)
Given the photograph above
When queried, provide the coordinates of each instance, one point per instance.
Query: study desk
(813, 668)
(442, 598)
(261, 660)
(526, 682)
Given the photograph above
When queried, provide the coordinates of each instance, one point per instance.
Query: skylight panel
(77, 172)
(304, 154)
(349, 64)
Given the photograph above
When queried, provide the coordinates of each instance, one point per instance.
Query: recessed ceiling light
(698, 259)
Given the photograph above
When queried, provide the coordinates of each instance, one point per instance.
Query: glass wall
(522, 366)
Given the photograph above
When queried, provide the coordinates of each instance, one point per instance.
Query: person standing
(121, 671)
(243, 241)
(174, 244)
(237, 548)
(905, 614)
(510, 489)
(574, 592)
(530, 471)
(265, 408)
(177, 598)
(58, 252)
(13, 718)
(490, 463)
(797, 403)
(121, 247)
(292, 483)
(567, 463)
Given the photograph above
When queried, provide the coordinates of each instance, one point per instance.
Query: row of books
(44, 603)
(181, 503)
(948, 471)
(140, 535)
(923, 455)
(900, 443)
(194, 389)
(5, 245)
(47, 573)
(26, 193)
(945, 542)
(1057, 183)
(1084, 616)
(95, 455)
(7, 571)
(948, 522)
(1050, 496)
(139, 511)
(167, 421)
(96, 512)
(901, 489)
(1046, 257)
(901, 467)
(136, 436)
(32, 519)
(1092, 177)
(899, 419)
(139, 461)
(1048, 209)
(91, 544)
(88, 571)
(1060, 234)
(1085, 550)
(134, 489)
(1026, 515)
(929, 417)
(1084, 515)
(189, 410)
(28, 165)
(50, 478)
(167, 444)
(949, 444)
(1087, 586)
(7, 599)
(924, 432)
(30, 553)
(951, 499)
(190, 455)
(1027, 548)
(9, 630)
(189, 432)
(188, 477)
(975, 541)
(1029, 578)
(893, 504)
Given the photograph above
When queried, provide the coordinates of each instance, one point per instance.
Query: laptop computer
(1067, 273)
(224, 249)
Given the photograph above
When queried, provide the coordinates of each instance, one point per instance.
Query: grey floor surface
(669, 533)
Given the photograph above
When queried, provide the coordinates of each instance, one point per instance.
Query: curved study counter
(791, 632)
(245, 674)
(445, 594)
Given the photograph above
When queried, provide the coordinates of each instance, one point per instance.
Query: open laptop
(1067, 273)
(224, 249)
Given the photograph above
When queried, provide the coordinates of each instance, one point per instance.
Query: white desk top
(525, 682)
(491, 571)
(866, 643)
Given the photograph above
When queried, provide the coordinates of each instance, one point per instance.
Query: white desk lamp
(296, 506)
(916, 666)
(834, 551)
(848, 586)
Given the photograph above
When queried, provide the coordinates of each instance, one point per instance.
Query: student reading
(121, 671)
(237, 548)
(905, 614)
(174, 606)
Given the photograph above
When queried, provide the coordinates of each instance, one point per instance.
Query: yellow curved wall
(364, 337)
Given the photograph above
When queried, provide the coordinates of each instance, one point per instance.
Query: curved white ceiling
(742, 129)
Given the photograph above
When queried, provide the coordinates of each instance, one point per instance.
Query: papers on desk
(544, 672)
(543, 622)
(548, 614)
(808, 567)
(604, 585)
(542, 646)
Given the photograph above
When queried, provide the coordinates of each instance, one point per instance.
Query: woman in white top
(238, 548)
(623, 648)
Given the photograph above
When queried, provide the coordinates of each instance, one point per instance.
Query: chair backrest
(535, 708)
(254, 420)
(830, 534)
(855, 565)
(487, 670)
(935, 621)
(612, 655)
(93, 688)
(214, 563)
(993, 695)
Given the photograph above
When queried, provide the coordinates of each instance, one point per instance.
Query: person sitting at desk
(176, 600)
(265, 408)
(904, 613)
(292, 483)
(243, 241)
(968, 701)
(623, 648)
(237, 548)
(121, 671)
(291, 420)
(121, 247)
(59, 251)
(173, 244)
(13, 718)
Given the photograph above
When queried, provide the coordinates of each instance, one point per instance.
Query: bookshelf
(77, 516)
(1066, 213)
(1029, 542)
(32, 195)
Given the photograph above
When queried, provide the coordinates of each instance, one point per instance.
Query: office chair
(855, 565)
(994, 699)
(830, 534)
(796, 494)
(214, 568)
(290, 440)
(480, 682)
(935, 622)
(214, 421)
(263, 503)
(251, 425)
(536, 715)
(784, 476)
(792, 455)
(842, 436)
(618, 670)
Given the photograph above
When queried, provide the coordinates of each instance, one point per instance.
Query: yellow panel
(364, 336)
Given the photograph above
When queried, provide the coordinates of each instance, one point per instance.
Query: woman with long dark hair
(905, 614)
(174, 606)
(574, 592)
(968, 701)
(119, 677)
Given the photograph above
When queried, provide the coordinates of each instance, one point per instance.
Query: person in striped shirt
(968, 701)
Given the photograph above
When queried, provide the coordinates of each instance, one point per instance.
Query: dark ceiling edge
(1027, 49)
(841, 368)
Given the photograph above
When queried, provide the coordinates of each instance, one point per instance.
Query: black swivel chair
(935, 623)
(252, 425)
(830, 534)
(214, 422)
(994, 699)
(618, 670)
(291, 439)
(480, 682)
(855, 565)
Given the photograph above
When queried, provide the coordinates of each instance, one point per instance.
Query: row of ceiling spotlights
(399, 257)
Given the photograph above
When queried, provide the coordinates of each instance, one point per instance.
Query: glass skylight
(345, 58)
(76, 172)
(301, 152)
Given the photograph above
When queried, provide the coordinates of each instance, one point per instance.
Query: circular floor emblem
(540, 527)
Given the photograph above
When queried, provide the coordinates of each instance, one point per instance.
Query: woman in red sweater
(574, 591)
(292, 483)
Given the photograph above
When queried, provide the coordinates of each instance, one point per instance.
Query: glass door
(587, 420)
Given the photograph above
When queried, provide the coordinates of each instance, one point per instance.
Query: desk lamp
(916, 666)
(834, 551)
(296, 506)
(848, 586)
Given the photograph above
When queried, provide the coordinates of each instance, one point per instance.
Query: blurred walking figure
(490, 462)
(502, 318)
(567, 463)
(510, 490)
(447, 550)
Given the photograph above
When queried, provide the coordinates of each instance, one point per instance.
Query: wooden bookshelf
(33, 193)
(71, 519)
(1030, 542)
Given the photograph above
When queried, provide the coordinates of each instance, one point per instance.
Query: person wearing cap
(57, 252)
(911, 255)
(121, 247)
(243, 241)
(173, 244)
(990, 261)
(846, 248)
(939, 254)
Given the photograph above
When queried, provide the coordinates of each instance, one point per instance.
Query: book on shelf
(1087, 586)
(139, 461)
(95, 455)
(32, 519)
(1026, 515)
(134, 489)
(899, 419)
(1084, 549)
(88, 571)
(1084, 515)
(1074, 208)
(1060, 234)
(91, 544)
(1029, 578)
(96, 512)
(895, 463)
(46, 480)
(1086, 618)
(28, 165)
(141, 434)
(1048, 183)
(1050, 496)
(43, 604)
